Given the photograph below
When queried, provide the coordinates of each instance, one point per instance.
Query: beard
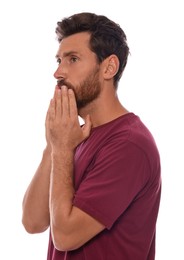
(86, 91)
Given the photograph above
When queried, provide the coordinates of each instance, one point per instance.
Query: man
(98, 185)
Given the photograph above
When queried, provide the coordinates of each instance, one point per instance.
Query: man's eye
(73, 59)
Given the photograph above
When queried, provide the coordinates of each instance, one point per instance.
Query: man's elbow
(33, 228)
(63, 242)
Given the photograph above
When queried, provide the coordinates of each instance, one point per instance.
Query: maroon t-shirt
(117, 181)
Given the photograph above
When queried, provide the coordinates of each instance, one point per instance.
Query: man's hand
(70, 226)
(62, 123)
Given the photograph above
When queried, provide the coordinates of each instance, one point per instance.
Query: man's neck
(103, 112)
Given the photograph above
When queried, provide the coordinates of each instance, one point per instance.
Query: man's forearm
(61, 195)
(35, 216)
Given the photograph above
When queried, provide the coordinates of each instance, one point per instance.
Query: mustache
(61, 83)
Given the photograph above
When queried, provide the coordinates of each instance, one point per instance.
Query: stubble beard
(87, 91)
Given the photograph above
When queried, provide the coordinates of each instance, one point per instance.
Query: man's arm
(70, 226)
(35, 217)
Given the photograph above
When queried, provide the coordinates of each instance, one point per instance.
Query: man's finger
(51, 111)
(87, 126)
(65, 102)
(72, 104)
(58, 102)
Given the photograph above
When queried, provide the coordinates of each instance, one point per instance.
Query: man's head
(106, 37)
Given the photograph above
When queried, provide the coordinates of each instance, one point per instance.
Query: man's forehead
(76, 44)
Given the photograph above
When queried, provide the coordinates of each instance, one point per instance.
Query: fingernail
(64, 87)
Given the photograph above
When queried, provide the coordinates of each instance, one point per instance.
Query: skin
(48, 199)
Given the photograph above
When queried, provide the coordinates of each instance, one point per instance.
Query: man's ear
(111, 66)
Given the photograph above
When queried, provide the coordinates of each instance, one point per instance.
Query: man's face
(78, 68)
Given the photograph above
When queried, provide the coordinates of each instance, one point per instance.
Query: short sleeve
(119, 172)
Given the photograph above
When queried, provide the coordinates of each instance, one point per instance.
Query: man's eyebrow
(66, 54)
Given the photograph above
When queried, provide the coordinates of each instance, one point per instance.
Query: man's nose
(60, 72)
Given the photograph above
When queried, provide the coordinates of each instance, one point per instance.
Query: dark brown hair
(107, 37)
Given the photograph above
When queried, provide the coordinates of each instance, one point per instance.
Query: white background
(150, 87)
